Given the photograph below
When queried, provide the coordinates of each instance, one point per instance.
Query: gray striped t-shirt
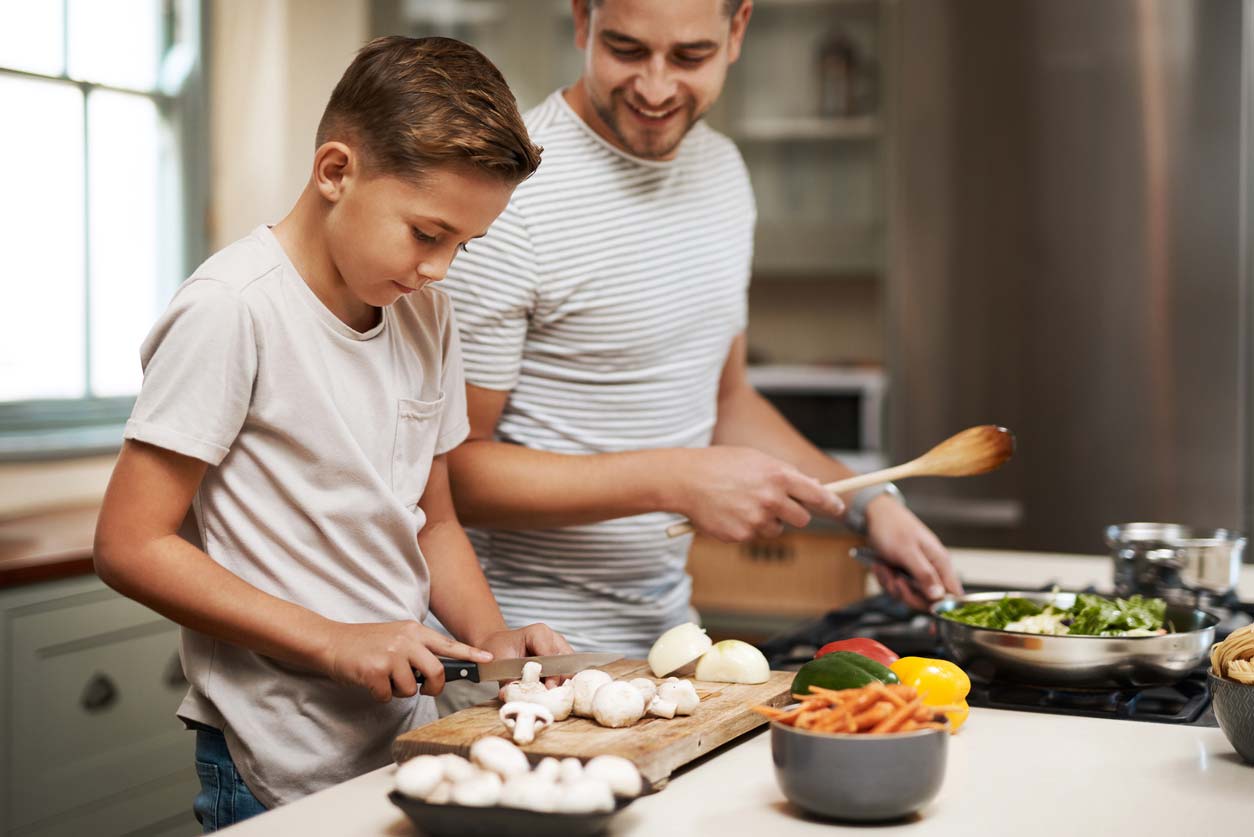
(605, 300)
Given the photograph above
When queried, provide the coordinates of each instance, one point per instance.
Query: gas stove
(910, 633)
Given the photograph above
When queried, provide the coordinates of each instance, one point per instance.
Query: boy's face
(389, 237)
(652, 68)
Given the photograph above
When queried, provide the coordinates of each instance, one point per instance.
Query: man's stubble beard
(611, 121)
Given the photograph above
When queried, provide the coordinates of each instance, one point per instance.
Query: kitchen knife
(511, 669)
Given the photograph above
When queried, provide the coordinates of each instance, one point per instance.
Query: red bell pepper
(879, 652)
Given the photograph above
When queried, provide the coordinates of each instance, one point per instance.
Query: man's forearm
(514, 487)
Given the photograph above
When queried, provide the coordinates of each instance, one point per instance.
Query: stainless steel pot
(1185, 566)
(1077, 662)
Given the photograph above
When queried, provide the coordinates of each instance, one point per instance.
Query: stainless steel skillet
(1076, 662)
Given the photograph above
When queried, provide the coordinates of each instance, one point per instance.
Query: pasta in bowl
(1231, 679)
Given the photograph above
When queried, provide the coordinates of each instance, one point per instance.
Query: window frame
(39, 429)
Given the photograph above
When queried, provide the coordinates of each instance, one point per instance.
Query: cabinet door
(797, 574)
(90, 711)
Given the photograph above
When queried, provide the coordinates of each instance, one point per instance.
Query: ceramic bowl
(859, 778)
(1234, 708)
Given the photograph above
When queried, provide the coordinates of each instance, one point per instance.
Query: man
(603, 325)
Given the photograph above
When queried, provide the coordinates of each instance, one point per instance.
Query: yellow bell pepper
(939, 683)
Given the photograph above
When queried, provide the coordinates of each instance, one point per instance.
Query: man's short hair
(408, 104)
(730, 7)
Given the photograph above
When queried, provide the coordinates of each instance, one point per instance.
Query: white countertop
(1015, 773)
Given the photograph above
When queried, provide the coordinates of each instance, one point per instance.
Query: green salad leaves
(1091, 615)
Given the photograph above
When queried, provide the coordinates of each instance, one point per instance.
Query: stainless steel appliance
(839, 409)
(1067, 242)
(1178, 563)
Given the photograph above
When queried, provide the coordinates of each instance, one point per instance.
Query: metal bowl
(1077, 662)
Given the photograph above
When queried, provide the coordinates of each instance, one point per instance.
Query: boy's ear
(739, 23)
(334, 163)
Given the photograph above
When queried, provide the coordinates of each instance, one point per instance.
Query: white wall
(273, 64)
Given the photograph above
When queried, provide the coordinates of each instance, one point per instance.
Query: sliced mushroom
(525, 720)
(617, 704)
(660, 708)
(681, 693)
(646, 687)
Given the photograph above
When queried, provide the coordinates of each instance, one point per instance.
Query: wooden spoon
(976, 450)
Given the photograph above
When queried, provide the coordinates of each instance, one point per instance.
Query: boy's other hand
(381, 657)
(535, 640)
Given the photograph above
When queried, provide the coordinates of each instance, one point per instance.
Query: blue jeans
(224, 799)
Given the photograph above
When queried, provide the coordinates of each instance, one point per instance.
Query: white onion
(676, 648)
(733, 661)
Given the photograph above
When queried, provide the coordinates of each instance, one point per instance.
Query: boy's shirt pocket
(417, 430)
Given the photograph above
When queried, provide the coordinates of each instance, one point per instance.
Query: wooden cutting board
(657, 745)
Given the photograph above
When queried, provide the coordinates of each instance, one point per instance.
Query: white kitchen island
(1009, 773)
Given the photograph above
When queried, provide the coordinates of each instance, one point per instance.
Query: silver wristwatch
(855, 514)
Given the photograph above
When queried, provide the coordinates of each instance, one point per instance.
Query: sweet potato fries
(876, 708)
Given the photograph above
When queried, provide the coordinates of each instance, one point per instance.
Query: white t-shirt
(319, 440)
(605, 299)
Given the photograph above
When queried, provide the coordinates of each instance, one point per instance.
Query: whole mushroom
(617, 704)
(532, 791)
(586, 684)
(419, 776)
(524, 719)
(481, 790)
(586, 796)
(619, 773)
(500, 756)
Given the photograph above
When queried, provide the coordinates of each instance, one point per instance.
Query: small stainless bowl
(1234, 709)
(859, 777)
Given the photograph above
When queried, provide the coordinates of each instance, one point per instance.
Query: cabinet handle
(99, 694)
(174, 677)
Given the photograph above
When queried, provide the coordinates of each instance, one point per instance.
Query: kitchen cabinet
(88, 739)
(757, 589)
(803, 105)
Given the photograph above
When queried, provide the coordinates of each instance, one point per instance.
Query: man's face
(652, 68)
(389, 237)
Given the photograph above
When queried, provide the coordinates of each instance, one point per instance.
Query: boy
(299, 397)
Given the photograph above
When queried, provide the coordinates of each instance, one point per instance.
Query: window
(100, 218)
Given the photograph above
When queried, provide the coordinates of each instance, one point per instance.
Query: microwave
(839, 409)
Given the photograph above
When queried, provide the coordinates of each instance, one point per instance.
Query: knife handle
(454, 670)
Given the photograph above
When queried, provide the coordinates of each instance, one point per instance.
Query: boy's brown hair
(408, 104)
(730, 7)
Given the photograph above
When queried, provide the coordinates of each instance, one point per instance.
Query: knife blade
(511, 669)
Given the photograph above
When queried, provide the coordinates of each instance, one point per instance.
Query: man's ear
(334, 165)
(583, 18)
(739, 23)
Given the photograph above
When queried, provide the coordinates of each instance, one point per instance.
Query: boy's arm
(460, 596)
(732, 493)
(746, 418)
(139, 553)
